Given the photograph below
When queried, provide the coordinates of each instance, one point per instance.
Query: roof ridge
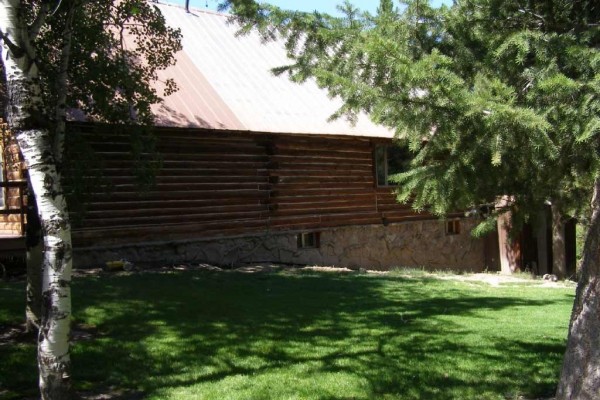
(192, 9)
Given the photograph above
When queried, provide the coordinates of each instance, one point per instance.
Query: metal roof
(225, 83)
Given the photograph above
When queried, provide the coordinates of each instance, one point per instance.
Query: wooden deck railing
(19, 208)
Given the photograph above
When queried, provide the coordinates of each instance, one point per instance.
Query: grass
(298, 335)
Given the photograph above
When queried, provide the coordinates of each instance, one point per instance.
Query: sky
(328, 6)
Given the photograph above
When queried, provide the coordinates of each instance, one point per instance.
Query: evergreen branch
(418, 103)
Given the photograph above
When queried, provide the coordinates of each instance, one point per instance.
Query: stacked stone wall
(410, 244)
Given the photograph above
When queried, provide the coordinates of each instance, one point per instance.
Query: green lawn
(299, 335)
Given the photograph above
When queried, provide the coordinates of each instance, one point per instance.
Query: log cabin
(254, 171)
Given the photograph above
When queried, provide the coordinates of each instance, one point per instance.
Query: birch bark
(24, 117)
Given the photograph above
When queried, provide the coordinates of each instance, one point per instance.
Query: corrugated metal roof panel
(225, 82)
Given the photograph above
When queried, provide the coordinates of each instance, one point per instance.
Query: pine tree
(494, 98)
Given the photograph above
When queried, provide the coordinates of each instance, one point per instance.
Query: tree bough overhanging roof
(225, 82)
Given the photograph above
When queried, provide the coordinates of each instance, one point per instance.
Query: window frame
(452, 227)
(308, 240)
(385, 148)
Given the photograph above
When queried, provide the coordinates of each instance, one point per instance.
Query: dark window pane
(398, 160)
(390, 160)
(308, 240)
(380, 167)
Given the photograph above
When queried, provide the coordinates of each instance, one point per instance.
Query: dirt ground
(492, 278)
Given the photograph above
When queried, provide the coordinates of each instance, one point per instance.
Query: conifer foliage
(494, 97)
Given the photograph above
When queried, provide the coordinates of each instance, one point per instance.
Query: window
(453, 227)
(309, 240)
(390, 160)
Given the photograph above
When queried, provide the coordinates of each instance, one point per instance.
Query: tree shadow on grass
(321, 336)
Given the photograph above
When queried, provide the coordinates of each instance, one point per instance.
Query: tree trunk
(35, 247)
(33, 304)
(24, 117)
(53, 344)
(559, 259)
(580, 376)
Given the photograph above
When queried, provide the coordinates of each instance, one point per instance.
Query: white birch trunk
(33, 299)
(24, 117)
(35, 254)
(53, 341)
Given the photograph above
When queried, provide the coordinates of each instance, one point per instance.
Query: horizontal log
(324, 180)
(316, 199)
(337, 144)
(388, 193)
(195, 186)
(280, 194)
(324, 154)
(327, 141)
(321, 166)
(322, 210)
(185, 137)
(184, 231)
(347, 221)
(176, 212)
(134, 204)
(187, 172)
(324, 222)
(168, 146)
(357, 186)
(409, 217)
(353, 217)
(321, 173)
(181, 195)
(190, 156)
(400, 213)
(108, 130)
(205, 140)
(286, 221)
(167, 179)
(227, 164)
(237, 217)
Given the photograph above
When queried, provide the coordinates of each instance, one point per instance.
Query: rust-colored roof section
(196, 104)
(225, 83)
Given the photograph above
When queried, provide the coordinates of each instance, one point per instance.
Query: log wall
(215, 184)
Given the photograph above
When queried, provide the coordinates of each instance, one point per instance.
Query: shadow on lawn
(392, 334)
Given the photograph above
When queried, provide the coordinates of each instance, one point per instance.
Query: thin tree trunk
(53, 344)
(62, 84)
(24, 117)
(580, 376)
(35, 247)
(33, 304)
(559, 259)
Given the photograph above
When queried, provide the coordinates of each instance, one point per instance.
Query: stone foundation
(408, 244)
